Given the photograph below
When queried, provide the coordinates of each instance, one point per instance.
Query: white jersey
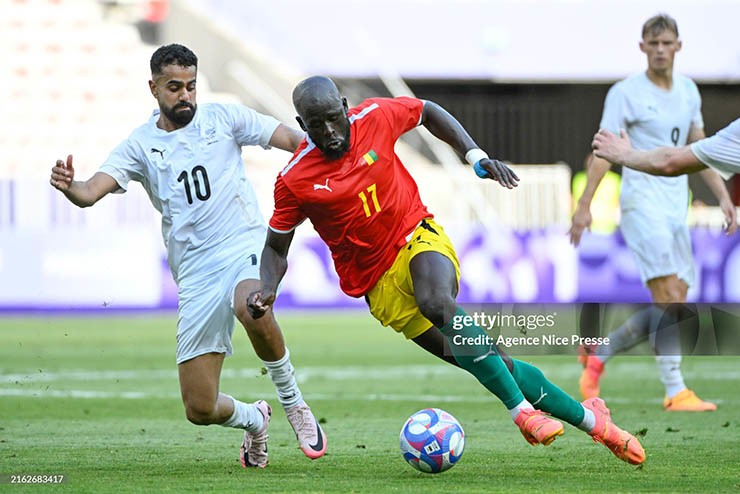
(653, 117)
(195, 178)
(721, 151)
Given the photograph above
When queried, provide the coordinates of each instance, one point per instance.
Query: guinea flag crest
(370, 157)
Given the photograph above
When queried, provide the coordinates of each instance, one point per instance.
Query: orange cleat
(584, 351)
(624, 445)
(538, 428)
(588, 384)
(687, 401)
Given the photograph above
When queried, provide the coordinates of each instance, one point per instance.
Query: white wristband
(475, 155)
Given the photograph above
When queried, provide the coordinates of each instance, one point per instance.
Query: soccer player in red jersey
(346, 178)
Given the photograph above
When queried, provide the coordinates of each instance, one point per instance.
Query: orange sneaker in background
(687, 401)
(588, 384)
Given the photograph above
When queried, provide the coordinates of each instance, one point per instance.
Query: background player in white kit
(188, 159)
(657, 108)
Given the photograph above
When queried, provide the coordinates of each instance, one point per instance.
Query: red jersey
(363, 205)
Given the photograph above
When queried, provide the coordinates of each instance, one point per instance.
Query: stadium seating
(72, 86)
(77, 84)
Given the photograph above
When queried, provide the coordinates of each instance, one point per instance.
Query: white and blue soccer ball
(432, 440)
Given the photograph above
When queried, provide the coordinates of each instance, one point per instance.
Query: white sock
(589, 420)
(246, 416)
(670, 374)
(282, 374)
(524, 405)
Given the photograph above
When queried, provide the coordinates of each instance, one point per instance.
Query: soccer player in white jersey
(720, 152)
(188, 159)
(657, 107)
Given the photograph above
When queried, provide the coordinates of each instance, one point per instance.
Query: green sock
(481, 359)
(545, 396)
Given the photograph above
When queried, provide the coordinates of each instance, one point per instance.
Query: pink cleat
(253, 452)
(311, 438)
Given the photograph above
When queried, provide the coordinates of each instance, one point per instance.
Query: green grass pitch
(97, 399)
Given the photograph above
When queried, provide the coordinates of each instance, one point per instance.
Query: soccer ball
(432, 440)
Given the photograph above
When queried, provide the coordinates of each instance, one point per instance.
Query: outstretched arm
(445, 127)
(273, 265)
(665, 161)
(82, 194)
(286, 138)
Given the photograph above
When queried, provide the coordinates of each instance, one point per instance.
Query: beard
(178, 115)
(333, 154)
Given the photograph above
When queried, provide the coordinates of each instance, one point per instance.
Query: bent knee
(668, 290)
(437, 307)
(242, 314)
(264, 326)
(200, 413)
(669, 295)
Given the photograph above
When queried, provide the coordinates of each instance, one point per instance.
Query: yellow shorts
(392, 299)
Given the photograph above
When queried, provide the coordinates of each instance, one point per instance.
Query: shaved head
(322, 113)
(315, 91)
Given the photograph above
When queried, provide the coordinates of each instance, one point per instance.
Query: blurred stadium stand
(77, 83)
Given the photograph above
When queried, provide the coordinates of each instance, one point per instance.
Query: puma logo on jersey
(542, 396)
(155, 150)
(481, 358)
(325, 186)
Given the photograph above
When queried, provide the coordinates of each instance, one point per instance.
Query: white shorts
(205, 316)
(661, 246)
